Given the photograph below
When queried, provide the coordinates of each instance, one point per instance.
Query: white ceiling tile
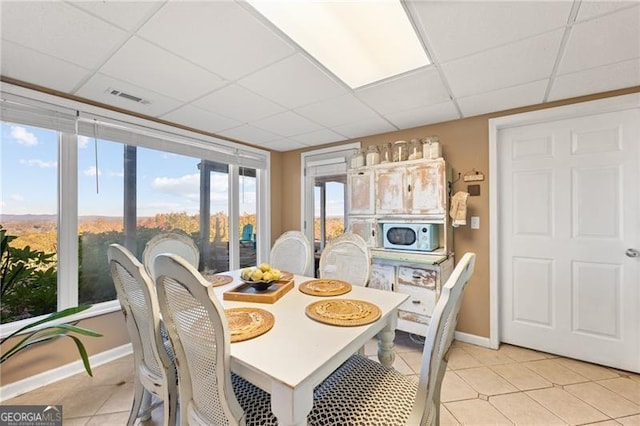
(151, 67)
(293, 82)
(250, 134)
(95, 89)
(286, 124)
(125, 14)
(60, 30)
(238, 103)
(611, 38)
(424, 115)
(595, 80)
(589, 9)
(318, 137)
(503, 99)
(284, 145)
(517, 63)
(26, 65)
(368, 127)
(337, 111)
(405, 92)
(218, 35)
(197, 118)
(459, 28)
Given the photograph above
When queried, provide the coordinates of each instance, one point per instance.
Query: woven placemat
(325, 287)
(343, 312)
(217, 279)
(247, 323)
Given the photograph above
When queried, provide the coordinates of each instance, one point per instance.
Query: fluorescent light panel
(360, 41)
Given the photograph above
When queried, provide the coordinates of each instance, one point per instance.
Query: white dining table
(298, 353)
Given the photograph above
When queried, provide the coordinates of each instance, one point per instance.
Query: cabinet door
(364, 227)
(382, 276)
(361, 189)
(391, 190)
(427, 186)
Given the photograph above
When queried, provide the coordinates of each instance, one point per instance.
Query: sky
(166, 182)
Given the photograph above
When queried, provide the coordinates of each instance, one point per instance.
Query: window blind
(19, 110)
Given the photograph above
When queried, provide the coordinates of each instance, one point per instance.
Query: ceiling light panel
(359, 41)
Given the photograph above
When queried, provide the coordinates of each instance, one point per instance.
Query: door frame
(599, 106)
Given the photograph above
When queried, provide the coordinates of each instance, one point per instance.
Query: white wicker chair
(292, 252)
(195, 320)
(170, 242)
(363, 392)
(154, 370)
(347, 257)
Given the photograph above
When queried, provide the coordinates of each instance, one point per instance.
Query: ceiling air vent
(124, 95)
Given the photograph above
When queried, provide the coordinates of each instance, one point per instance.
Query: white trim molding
(599, 106)
(51, 376)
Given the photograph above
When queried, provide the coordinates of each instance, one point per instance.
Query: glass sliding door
(247, 223)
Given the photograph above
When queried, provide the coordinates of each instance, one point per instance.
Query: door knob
(632, 253)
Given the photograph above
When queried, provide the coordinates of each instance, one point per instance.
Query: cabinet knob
(409, 188)
(415, 302)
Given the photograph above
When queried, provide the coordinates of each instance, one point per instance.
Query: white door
(569, 211)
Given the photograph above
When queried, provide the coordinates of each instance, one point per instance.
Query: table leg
(291, 406)
(386, 354)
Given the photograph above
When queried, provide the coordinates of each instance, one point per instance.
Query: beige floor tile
(605, 423)
(371, 347)
(476, 412)
(403, 343)
(120, 400)
(78, 421)
(413, 360)
(109, 419)
(521, 354)
(635, 377)
(590, 371)
(625, 387)
(459, 359)
(455, 389)
(48, 395)
(82, 403)
(603, 399)
(629, 421)
(556, 373)
(521, 377)
(522, 410)
(399, 364)
(113, 373)
(486, 356)
(446, 418)
(566, 406)
(486, 381)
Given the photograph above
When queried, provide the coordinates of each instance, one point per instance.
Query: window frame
(67, 295)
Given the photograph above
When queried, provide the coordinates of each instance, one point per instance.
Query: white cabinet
(361, 192)
(364, 227)
(391, 190)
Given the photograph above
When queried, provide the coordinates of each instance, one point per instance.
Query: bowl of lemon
(260, 277)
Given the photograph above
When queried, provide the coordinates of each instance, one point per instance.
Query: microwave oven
(410, 236)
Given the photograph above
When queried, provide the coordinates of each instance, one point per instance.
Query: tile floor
(481, 387)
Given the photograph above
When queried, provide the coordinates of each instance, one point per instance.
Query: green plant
(52, 332)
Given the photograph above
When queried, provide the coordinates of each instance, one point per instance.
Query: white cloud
(91, 171)
(39, 163)
(23, 136)
(185, 186)
(115, 173)
(83, 141)
(16, 197)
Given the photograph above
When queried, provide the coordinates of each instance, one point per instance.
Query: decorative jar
(373, 156)
(400, 151)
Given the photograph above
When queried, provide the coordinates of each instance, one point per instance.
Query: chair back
(247, 233)
(438, 341)
(291, 252)
(154, 367)
(348, 258)
(170, 242)
(198, 330)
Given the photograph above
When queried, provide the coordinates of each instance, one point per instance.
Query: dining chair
(170, 242)
(209, 393)
(365, 393)
(154, 369)
(291, 252)
(346, 257)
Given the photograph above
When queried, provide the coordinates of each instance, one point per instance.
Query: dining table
(298, 352)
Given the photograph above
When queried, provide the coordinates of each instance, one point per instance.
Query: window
(75, 182)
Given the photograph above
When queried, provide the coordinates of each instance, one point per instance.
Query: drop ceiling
(220, 67)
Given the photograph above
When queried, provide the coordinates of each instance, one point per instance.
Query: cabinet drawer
(425, 278)
(410, 316)
(421, 300)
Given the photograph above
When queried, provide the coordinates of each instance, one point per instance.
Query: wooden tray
(247, 323)
(246, 293)
(343, 312)
(325, 287)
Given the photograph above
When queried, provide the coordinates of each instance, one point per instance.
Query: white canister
(435, 149)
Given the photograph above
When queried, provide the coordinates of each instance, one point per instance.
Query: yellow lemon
(264, 267)
(276, 274)
(246, 273)
(256, 275)
(267, 276)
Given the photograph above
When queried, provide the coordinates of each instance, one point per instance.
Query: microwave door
(401, 236)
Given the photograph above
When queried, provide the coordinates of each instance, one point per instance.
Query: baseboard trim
(51, 376)
(473, 339)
